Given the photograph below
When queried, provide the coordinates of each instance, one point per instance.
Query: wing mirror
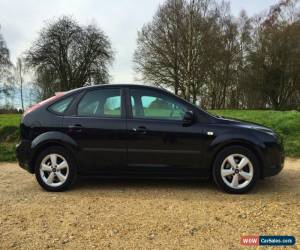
(188, 118)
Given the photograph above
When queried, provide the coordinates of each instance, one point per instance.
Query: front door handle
(75, 128)
(141, 130)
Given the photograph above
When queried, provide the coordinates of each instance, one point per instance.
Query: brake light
(35, 106)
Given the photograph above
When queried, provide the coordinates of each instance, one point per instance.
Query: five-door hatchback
(142, 132)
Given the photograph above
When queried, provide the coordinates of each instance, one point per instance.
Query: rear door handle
(140, 130)
(75, 128)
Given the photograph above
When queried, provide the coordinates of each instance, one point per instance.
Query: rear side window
(61, 106)
(100, 103)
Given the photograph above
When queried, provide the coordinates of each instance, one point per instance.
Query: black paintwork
(143, 147)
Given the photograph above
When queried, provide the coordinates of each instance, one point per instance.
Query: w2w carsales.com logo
(255, 240)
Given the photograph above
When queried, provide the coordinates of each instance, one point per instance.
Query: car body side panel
(101, 144)
(36, 128)
(269, 153)
(106, 141)
(167, 147)
(224, 136)
(42, 141)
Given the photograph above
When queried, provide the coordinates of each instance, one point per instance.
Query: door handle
(141, 130)
(75, 128)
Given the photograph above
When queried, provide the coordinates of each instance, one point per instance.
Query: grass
(285, 123)
(9, 135)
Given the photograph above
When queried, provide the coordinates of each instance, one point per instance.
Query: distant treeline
(10, 110)
(13, 99)
(195, 48)
(204, 54)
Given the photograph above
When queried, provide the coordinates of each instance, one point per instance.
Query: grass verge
(285, 123)
(9, 136)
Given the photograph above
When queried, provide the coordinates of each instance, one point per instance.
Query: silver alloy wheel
(237, 171)
(54, 170)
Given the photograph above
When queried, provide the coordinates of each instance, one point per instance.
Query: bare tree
(5, 65)
(157, 56)
(223, 56)
(67, 55)
(19, 72)
(190, 46)
(203, 53)
(274, 59)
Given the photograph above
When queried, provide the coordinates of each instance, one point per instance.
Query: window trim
(122, 115)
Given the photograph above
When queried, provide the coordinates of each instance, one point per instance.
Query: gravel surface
(139, 214)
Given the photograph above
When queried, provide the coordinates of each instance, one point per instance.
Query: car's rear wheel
(55, 169)
(236, 169)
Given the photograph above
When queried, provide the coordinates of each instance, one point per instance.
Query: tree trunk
(22, 102)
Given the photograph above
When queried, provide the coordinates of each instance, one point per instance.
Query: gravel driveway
(127, 214)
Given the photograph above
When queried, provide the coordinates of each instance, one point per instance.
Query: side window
(100, 103)
(149, 104)
(61, 106)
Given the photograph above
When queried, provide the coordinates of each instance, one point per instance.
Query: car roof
(118, 85)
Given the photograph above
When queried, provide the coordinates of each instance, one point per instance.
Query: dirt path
(128, 214)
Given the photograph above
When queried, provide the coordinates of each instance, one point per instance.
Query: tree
(190, 47)
(157, 56)
(275, 57)
(19, 72)
(67, 55)
(169, 52)
(222, 51)
(200, 51)
(5, 65)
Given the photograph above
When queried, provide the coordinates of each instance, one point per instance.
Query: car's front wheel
(55, 169)
(236, 169)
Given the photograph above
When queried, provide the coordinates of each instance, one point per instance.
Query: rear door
(98, 127)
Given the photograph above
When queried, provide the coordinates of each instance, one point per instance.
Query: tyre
(236, 169)
(55, 169)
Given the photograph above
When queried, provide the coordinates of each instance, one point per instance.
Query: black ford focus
(141, 132)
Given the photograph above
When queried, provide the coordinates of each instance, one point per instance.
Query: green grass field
(285, 123)
(9, 135)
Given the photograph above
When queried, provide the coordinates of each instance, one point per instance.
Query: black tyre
(236, 169)
(55, 169)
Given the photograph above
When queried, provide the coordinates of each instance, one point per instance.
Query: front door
(158, 141)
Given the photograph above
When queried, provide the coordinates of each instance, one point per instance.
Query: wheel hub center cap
(236, 171)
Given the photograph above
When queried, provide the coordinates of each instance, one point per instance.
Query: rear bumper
(24, 155)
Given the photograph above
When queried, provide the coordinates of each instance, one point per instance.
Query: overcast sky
(120, 19)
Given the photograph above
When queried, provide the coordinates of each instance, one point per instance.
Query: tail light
(35, 106)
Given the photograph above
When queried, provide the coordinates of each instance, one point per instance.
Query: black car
(142, 132)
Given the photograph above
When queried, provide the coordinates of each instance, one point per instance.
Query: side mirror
(188, 118)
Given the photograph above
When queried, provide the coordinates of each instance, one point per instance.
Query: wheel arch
(255, 149)
(50, 140)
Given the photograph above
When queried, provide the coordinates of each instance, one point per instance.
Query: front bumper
(23, 155)
(274, 163)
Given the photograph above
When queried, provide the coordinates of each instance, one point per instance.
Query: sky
(120, 20)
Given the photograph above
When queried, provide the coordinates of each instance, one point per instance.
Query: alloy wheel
(237, 171)
(54, 170)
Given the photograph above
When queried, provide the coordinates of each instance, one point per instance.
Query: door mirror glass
(188, 117)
